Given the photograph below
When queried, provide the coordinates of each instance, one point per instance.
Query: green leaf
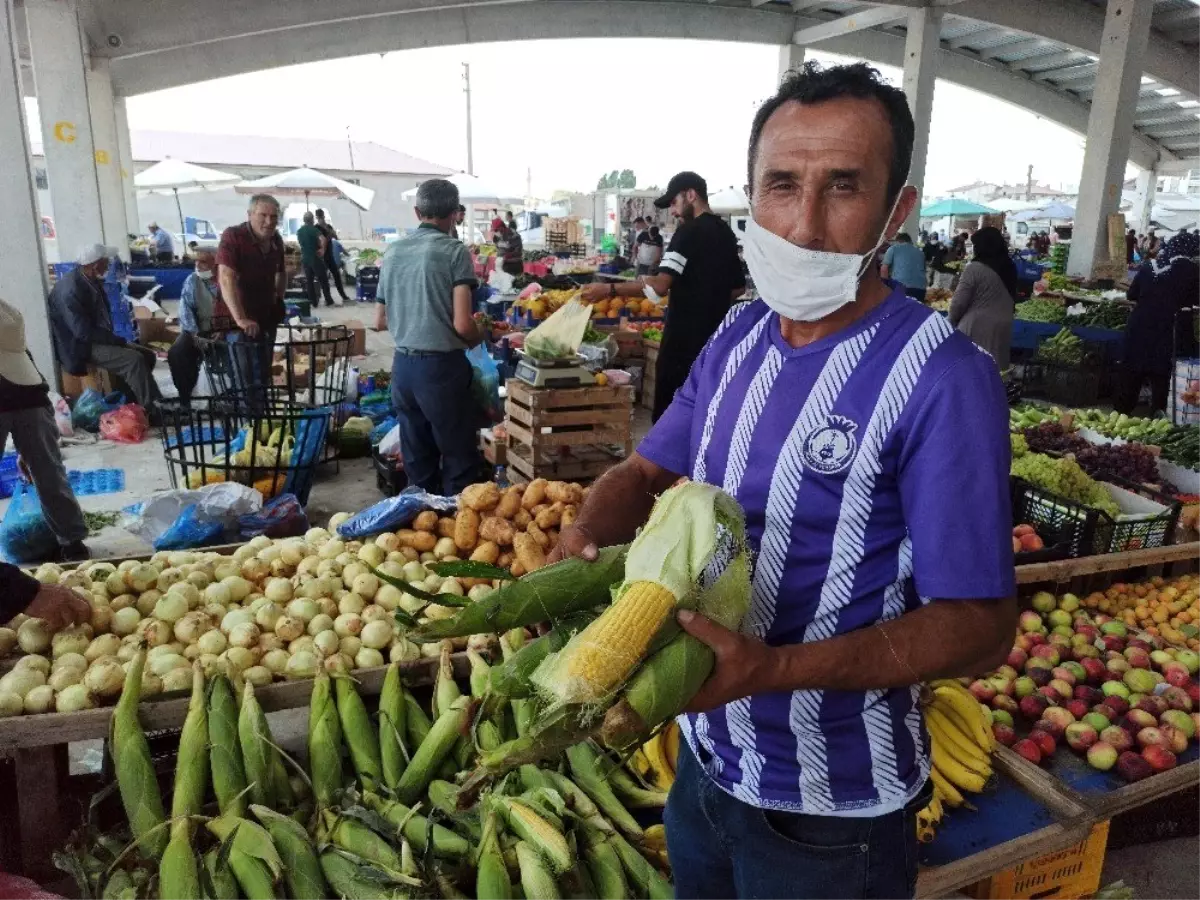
(466, 568)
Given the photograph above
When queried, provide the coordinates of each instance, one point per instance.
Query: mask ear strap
(880, 239)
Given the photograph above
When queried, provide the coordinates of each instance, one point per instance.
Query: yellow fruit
(601, 379)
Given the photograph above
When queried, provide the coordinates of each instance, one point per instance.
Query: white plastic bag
(222, 502)
(62, 415)
(390, 445)
(501, 281)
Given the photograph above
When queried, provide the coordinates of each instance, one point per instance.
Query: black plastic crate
(1077, 386)
(1086, 531)
(389, 474)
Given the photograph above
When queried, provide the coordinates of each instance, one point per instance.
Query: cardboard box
(158, 328)
(358, 337)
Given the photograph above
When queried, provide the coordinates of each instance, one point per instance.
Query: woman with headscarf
(983, 302)
(1161, 288)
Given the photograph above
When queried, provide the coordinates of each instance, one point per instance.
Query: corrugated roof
(286, 153)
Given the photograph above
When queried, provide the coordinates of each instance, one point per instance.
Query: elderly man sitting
(82, 328)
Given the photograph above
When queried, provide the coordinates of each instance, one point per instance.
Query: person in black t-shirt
(702, 272)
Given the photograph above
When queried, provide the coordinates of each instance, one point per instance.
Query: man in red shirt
(250, 261)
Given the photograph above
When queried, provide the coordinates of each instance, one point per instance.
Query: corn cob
(649, 880)
(631, 793)
(357, 731)
(533, 778)
(445, 691)
(590, 770)
(538, 744)
(540, 834)
(191, 769)
(356, 838)
(550, 592)
(392, 753)
(608, 875)
(178, 874)
(417, 723)
(480, 673)
(225, 753)
(537, 880)
(487, 736)
(448, 728)
(491, 874)
(301, 869)
(134, 769)
(119, 886)
(345, 875)
(581, 804)
(512, 680)
(252, 856)
(444, 797)
(416, 828)
(218, 880)
(258, 754)
(324, 742)
(576, 883)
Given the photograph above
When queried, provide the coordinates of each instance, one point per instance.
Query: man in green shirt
(312, 258)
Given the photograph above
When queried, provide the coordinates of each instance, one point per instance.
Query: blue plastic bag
(485, 382)
(281, 517)
(188, 531)
(90, 406)
(24, 534)
(394, 512)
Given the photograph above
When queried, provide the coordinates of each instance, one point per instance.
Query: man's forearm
(231, 295)
(619, 503)
(943, 639)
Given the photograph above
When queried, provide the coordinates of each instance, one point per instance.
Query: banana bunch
(962, 743)
(655, 760)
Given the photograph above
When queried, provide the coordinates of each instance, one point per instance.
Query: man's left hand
(744, 665)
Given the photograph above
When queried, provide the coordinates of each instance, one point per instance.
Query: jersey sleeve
(954, 485)
(682, 245)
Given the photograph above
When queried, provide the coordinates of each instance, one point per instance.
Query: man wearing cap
(164, 246)
(703, 273)
(81, 325)
(25, 414)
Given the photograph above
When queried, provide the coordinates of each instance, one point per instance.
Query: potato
(487, 552)
(510, 502)
(522, 519)
(539, 537)
(466, 529)
(563, 492)
(539, 509)
(517, 570)
(421, 541)
(550, 516)
(505, 559)
(552, 534)
(530, 555)
(569, 514)
(497, 530)
(426, 521)
(480, 497)
(445, 527)
(534, 494)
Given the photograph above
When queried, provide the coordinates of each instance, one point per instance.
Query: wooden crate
(630, 345)
(567, 433)
(494, 451)
(648, 373)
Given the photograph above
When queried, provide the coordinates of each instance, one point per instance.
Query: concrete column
(59, 68)
(22, 264)
(1110, 126)
(133, 219)
(920, 74)
(791, 56)
(107, 156)
(1143, 202)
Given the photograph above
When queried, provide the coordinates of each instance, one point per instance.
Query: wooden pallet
(582, 464)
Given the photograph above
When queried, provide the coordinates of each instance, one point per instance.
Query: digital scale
(553, 373)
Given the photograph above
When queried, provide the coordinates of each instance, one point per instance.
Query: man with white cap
(81, 325)
(164, 246)
(25, 414)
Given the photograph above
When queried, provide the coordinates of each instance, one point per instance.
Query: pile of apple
(1125, 699)
(1025, 539)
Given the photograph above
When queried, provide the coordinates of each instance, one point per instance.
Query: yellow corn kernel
(611, 647)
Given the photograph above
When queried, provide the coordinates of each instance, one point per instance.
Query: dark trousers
(1129, 386)
(335, 276)
(184, 360)
(438, 420)
(669, 375)
(312, 275)
(36, 438)
(722, 847)
(251, 361)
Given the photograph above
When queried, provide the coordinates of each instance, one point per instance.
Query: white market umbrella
(305, 182)
(729, 201)
(174, 176)
(473, 190)
(1010, 204)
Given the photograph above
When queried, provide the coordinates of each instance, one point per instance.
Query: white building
(389, 173)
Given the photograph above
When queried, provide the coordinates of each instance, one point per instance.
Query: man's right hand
(574, 541)
(59, 607)
(249, 327)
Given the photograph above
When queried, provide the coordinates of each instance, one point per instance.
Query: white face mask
(800, 284)
(204, 274)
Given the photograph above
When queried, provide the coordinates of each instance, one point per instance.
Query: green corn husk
(545, 595)
(511, 680)
(324, 742)
(445, 690)
(416, 828)
(632, 794)
(530, 826)
(301, 868)
(225, 752)
(417, 723)
(589, 770)
(546, 742)
(532, 778)
(133, 766)
(446, 731)
(219, 883)
(602, 861)
(487, 736)
(650, 882)
(580, 803)
(491, 874)
(119, 887)
(480, 673)
(576, 883)
(356, 838)
(393, 754)
(178, 874)
(252, 856)
(352, 878)
(537, 881)
(357, 732)
(191, 767)
(444, 797)
(259, 756)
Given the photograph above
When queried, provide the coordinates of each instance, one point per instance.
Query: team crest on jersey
(830, 448)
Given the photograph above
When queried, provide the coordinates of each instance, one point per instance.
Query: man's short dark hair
(461, 208)
(320, 213)
(811, 83)
(639, 219)
(904, 237)
(437, 198)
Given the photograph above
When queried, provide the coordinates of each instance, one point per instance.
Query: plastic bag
(223, 502)
(531, 290)
(560, 335)
(282, 517)
(394, 512)
(485, 382)
(24, 534)
(389, 446)
(190, 529)
(127, 425)
(62, 415)
(88, 409)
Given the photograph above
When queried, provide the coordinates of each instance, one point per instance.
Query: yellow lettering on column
(102, 157)
(64, 132)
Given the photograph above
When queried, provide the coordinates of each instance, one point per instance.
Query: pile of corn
(373, 813)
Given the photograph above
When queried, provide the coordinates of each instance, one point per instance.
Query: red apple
(1118, 737)
(1040, 676)
(1024, 643)
(1080, 736)
(1181, 721)
(1051, 693)
(1005, 703)
(1044, 738)
(1017, 658)
(1062, 673)
(1004, 734)
(1117, 703)
(1030, 622)
(1118, 665)
(982, 691)
(1112, 642)
(1094, 668)
(1132, 767)
(1048, 652)
(1173, 738)
(1078, 708)
(1088, 694)
(1177, 674)
(1141, 719)
(1097, 720)
(1077, 671)
(1160, 758)
(1060, 716)
(1024, 686)
(1029, 750)
(1064, 689)
(1177, 698)
(1193, 692)
(1102, 756)
(1137, 657)
(1149, 736)
(1085, 651)
(1001, 685)
(1002, 717)
(1153, 704)
(1139, 644)
(1033, 706)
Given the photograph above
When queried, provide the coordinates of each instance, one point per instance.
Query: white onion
(269, 640)
(350, 571)
(452, 586)
(372, 555)
(373, 613)
(406, 555)
(210, 664)
(243, 635)
(146, 602)
(124, 601)
(255, 569)
(188, 590)
(218, 592)
(327, 606)
(238, 658)
(293, 552)
(444, 547)
(257, 676)
(193, 651)
(303, 609)
(171, 607)
(142, 578)
(276, 660)
(411, 604)
(243, 553)
(387, 542)
(75, 579)
(326, 643)
(414, 572)
(308, 566)
(35, 662)
(278, 590)
(236, 617)
(404, 650)
(269, 554)
(259, 541)
(239, 587)
(213, 642)
(350, 645)
(339, 518)
(48, 573)
(8, 640)
(304, 642)
(115, 583)
(34, 636)
(39, 700)
(267, 615)
(388, 596)
(164, 663)
(73, 699)
(302, 665)
(351, 603)
(376, 635)
(348, 624)
(479, 591)
(109, 644)
(177, 680)
(180, 557)
(432, 650)
(104, 678)
(167, 578)
(368, 658)
(64, 678)
(11, 705)
(255, 602)
(191, 626)
(427, 558)
(289, 627)
(318, 623)
(329, 568)
(154, 632)
(331, 549)
(152, 685)
(216, 611)
(199, 580)
(22, 681)
(365, 585)
(339, 663)
(71, 661)
(100, 620)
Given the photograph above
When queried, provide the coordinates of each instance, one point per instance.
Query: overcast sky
(572, 110)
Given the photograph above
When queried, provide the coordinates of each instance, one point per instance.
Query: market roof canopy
(305, 182)
(730, 200)
(172, 176)
(955, 207)
(473, 190)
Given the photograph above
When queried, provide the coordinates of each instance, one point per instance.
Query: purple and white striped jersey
(873, 468)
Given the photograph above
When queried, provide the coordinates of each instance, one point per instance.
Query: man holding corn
(838, 413)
